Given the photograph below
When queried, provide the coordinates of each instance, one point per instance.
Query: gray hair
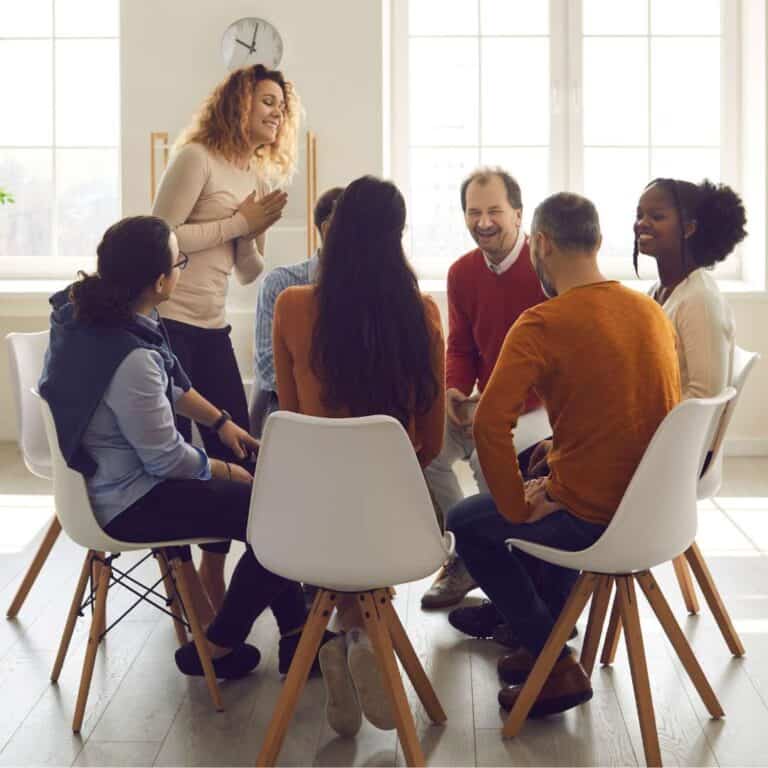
(570, 220)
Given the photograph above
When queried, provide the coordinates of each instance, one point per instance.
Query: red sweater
(482, 307)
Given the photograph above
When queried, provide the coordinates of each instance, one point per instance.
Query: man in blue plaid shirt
(264, 399)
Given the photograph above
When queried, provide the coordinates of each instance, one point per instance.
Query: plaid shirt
(274, 283)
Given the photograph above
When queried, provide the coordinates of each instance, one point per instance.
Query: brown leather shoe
(567, 686)
(513, 668)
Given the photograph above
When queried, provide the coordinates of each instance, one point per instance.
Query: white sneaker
(370, 687)
(341, 706)
(450, 587)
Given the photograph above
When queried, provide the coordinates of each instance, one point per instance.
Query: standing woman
(214, 196)
(688, 228)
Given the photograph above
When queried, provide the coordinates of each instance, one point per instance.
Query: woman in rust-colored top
(362, 341)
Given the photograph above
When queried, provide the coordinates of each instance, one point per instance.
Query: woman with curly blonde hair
(215, 195)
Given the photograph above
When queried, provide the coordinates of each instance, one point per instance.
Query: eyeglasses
(182, 262)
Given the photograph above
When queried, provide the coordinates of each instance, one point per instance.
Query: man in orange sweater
(488, 288)
(602, 357)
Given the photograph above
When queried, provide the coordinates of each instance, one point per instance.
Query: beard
(546, 284)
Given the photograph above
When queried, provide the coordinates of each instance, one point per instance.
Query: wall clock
(251, 41)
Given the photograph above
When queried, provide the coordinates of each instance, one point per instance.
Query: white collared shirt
(510, 258)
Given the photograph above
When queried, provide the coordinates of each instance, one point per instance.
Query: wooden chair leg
(685, 581)
(74, 612)
(38, 561)
(173, 600)
(714, 600)
(297, 675)
(597, 611)
(679, 643)
(410, 661)
(376, 627)
(611, 642)
(582, 589)
(201, 644)
(96, 575)
(636, 652)
(94, 637)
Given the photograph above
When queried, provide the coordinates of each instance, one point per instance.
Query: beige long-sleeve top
(198, 196)
(705, 330)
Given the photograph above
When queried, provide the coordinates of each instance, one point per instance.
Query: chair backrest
(73, 507)
(657, 518)
(26, 352)
(342, 503)
(743, 363)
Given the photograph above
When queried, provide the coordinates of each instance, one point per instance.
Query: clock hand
(245, 45)
(253, 42)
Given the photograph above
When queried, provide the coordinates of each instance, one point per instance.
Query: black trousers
(207, 356)
(179, 509)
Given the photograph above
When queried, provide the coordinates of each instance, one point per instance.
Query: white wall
(334, 53)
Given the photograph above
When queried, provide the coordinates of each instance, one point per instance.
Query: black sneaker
(476, 620)
(237, 663)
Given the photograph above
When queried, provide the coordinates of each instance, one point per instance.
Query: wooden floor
(143, 712)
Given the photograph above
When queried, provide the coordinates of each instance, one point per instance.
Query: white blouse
(705, 330)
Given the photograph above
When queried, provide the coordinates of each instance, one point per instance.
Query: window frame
(743, 80)
(54, 267)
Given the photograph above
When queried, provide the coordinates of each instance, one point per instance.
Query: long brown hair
(222, 123)
(371, 343)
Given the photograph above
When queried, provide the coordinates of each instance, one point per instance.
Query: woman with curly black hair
(688, 228)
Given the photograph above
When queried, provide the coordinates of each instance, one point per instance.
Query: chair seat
(338, 577)
(595, 559)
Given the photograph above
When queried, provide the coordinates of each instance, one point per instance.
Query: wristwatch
(221, 421)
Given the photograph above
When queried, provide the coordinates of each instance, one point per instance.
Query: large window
(593, 96)
(59, 133)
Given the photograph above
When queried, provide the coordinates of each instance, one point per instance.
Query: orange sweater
(602, 357)
(299, 389)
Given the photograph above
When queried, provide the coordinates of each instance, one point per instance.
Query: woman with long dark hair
(216, 196)
(116, 426)
(363, 341)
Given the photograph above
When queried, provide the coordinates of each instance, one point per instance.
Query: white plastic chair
(76, 516)
(342, 503)
(26, 352)
(655, 521)
(709, 485)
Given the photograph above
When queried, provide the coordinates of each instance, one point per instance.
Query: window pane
(616, 96)
(32, 18)
(87, 18)
(436, 221)
(87, 93)
(687, 164)
(685, 17)
(685, 91)
(25, 226)
(28, 121)
(614, 180)
(87, 200)
(515, 90)
(514, 17)
(615, 17)
(529, 166)
(443, 91)
(442, 17)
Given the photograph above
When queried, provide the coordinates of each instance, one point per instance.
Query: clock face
(251, 41)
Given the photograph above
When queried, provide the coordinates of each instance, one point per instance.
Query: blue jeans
(528, 592)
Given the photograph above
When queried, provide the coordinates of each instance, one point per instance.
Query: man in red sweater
(488, 289)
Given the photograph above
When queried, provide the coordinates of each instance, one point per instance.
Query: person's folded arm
(178, 193)
(462, 360)
(430, 426)
(287, 391)
(520, 366)
(137, 397)
(249, 258)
